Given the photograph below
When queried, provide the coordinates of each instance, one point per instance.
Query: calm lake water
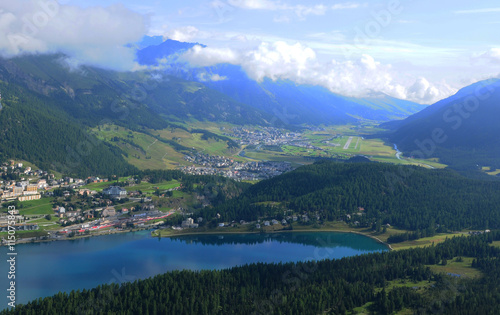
(44, 269)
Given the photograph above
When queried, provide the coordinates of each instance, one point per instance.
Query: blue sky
(417, 50)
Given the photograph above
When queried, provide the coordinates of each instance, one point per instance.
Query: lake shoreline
(209, 232)
(325, 230)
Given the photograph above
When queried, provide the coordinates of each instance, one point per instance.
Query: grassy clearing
(40, 206)
(149, 188)
(488, 171)
(427, 241)
(97, 186)
(147, 152)
(277, 157)
(144, 187)
(376, 147)
(455, 267)
(210, 146)
(362, 310)
(401, 283)
(44, 222)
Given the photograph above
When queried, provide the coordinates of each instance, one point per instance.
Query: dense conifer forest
(408, 197)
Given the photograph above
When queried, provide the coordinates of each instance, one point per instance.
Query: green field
(97, 186)
(149, 188)
(462, 268)
(148, 152)
(40, 206)
(144, 186)
(427, 241)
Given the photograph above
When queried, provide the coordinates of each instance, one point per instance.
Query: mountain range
(461, 130)
(48, 110)
(290, 102)
(45, 99)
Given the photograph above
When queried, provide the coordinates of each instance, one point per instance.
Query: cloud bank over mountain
(296, 62)
(93, 35)
(351, 48)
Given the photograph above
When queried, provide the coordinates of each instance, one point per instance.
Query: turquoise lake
(43, 269)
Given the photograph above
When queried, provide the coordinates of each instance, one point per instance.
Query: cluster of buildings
(115, 192)
(24, 189)
(32, 183)
(242, 171)
(264, 135)
(209, 160)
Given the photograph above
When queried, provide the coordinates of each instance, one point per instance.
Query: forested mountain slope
(408, 197)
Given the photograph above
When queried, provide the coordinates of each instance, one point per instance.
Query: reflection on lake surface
(44, 269)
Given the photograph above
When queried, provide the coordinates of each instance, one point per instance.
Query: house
(108, 212)
(18, 190)
(274, 221)
(29, 197)
(87, 191)
(257, 226)
(283, 222)
(115, 192)
(42, 184)
(148, 207)
(189, 223)
(266, 223)
(221, 224)
(22, 183)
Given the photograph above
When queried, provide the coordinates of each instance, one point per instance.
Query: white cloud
(347, 5)
(278, 60)
(254, 4)
(487, 10)
(333, 36)
(182, 34)
(94, 35)
(303, 11)
(205, 77)
(491, 56)
(204, 57)
(359, 78)
(300, 10)
(216, 77)
(281, 19)
(422, 90)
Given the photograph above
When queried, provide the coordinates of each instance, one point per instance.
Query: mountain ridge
(461, 130)
(298, 104)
